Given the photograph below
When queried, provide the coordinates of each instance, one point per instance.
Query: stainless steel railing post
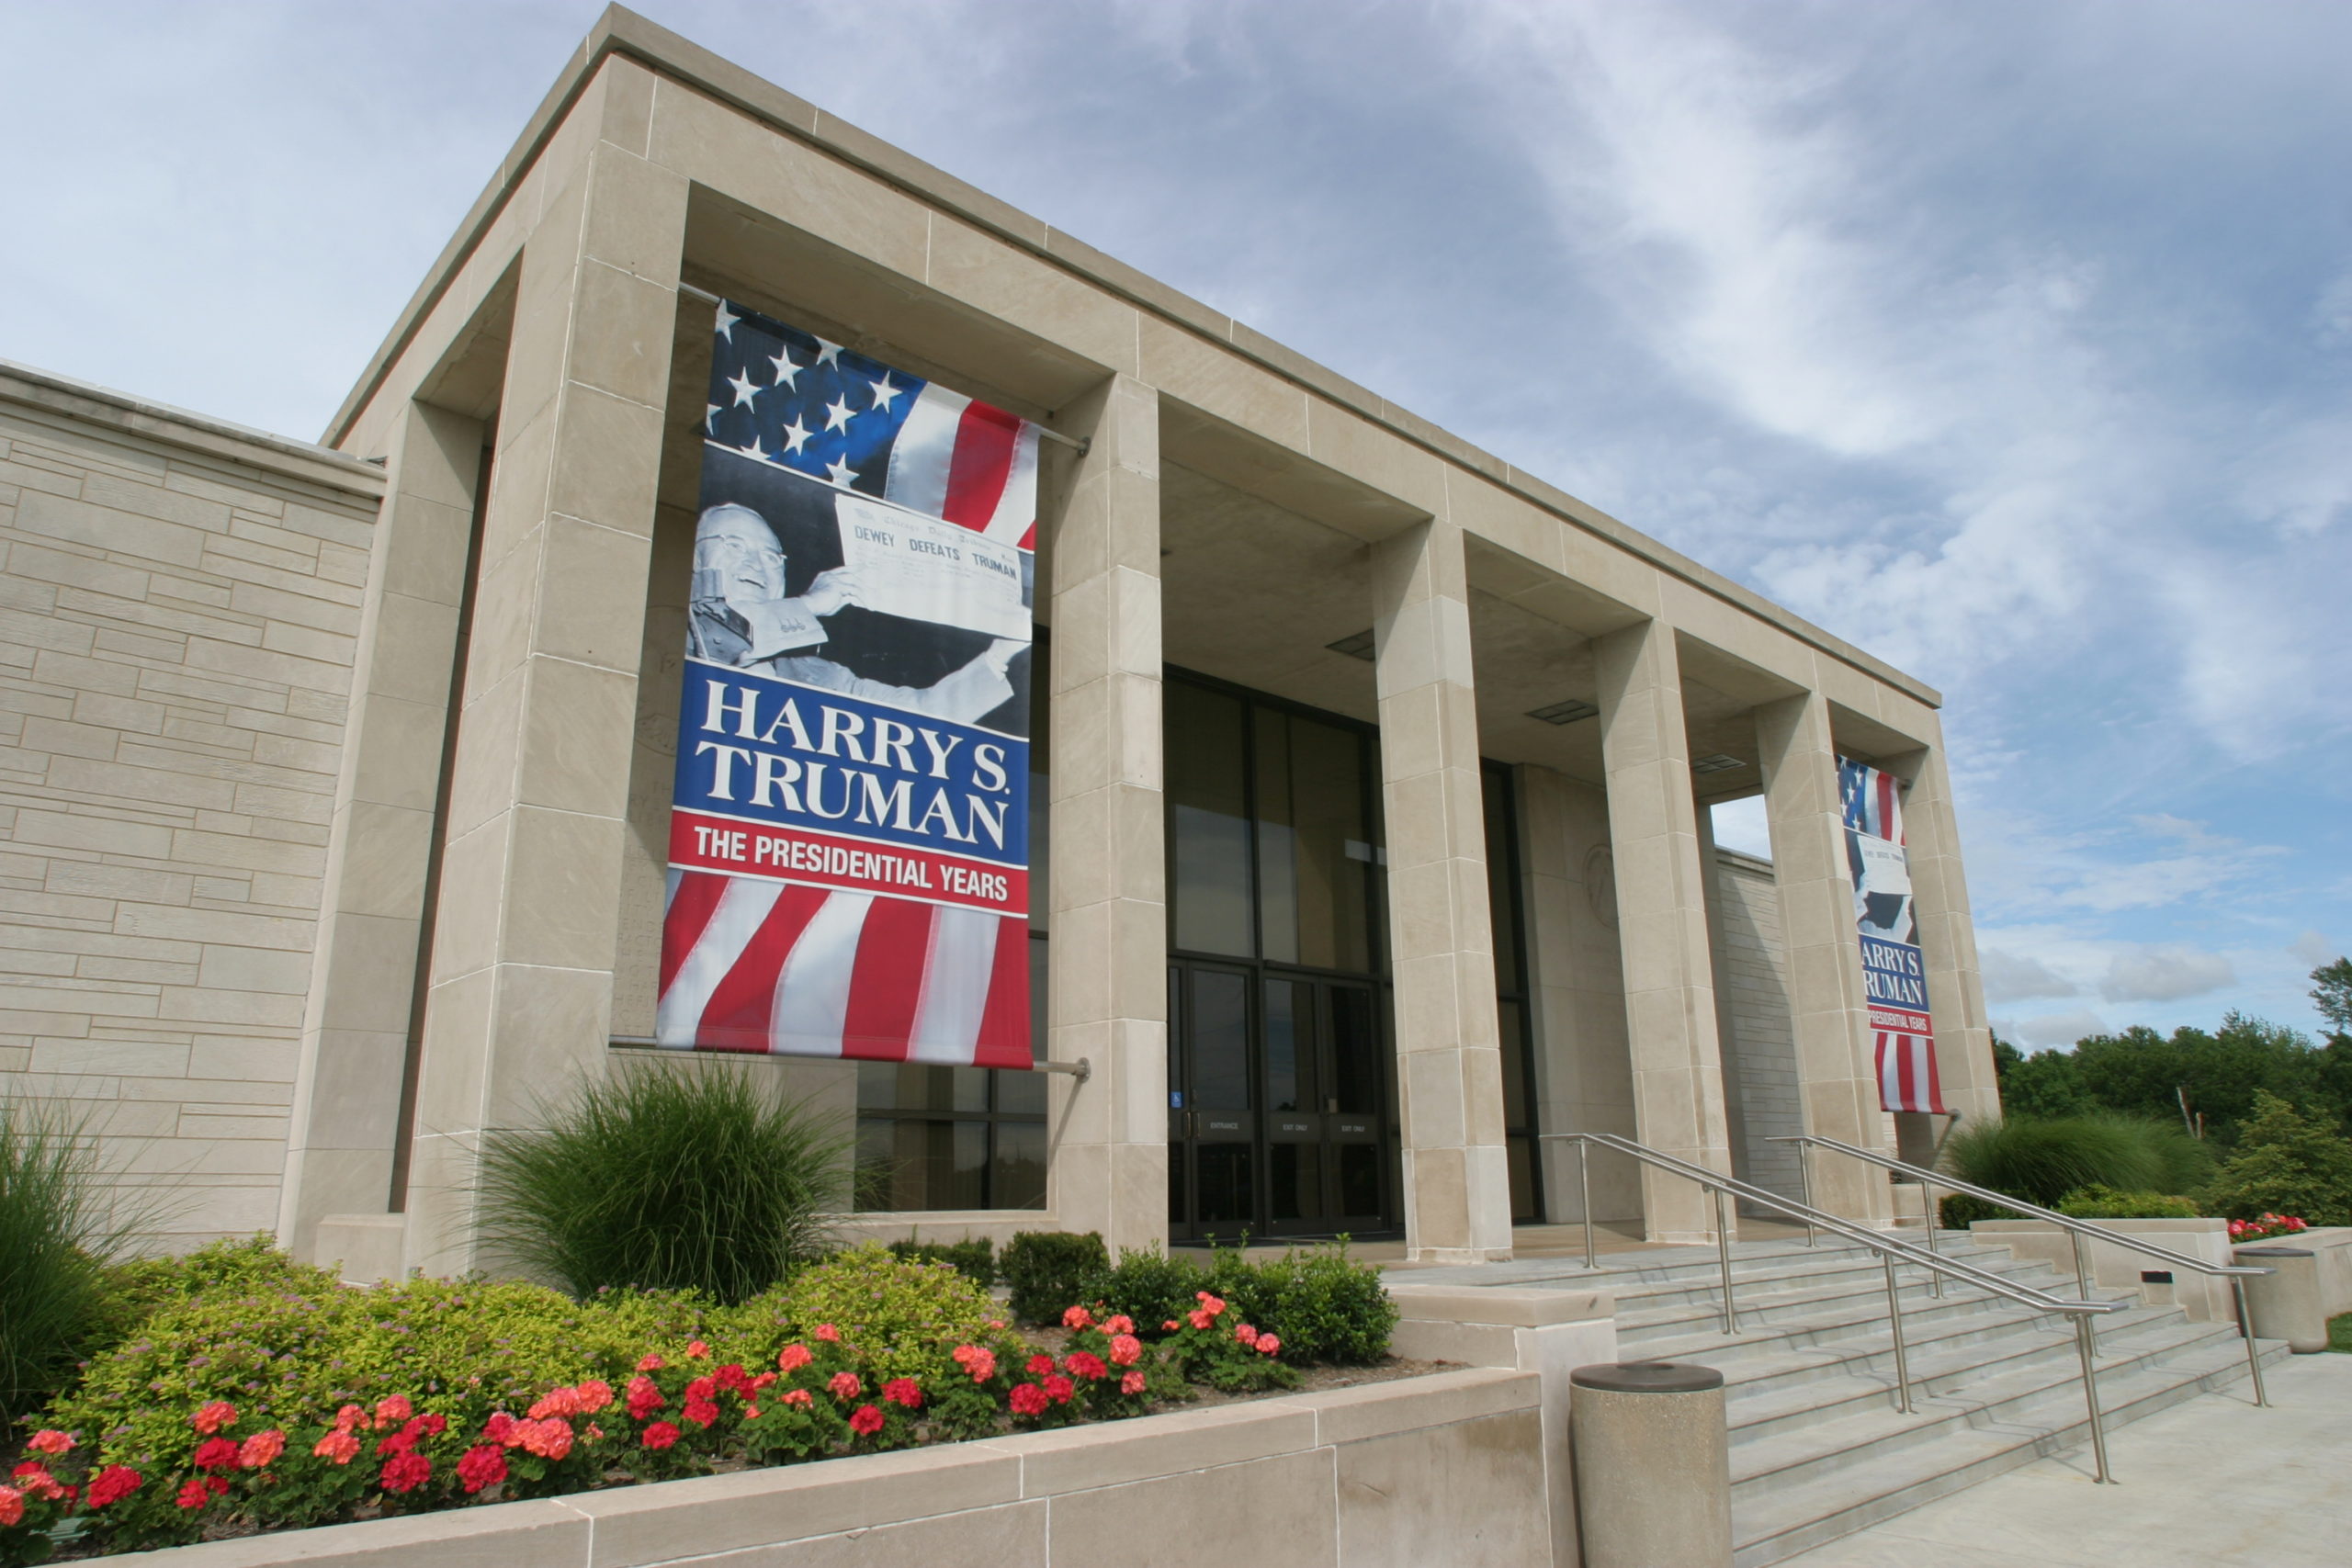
(1722, 1252)
(1584, 1185)
(2083, 1286)
(1928, 1206)
(1894, 1322)
(2253, 1351)
(1804, 1182)
(2083, 1347)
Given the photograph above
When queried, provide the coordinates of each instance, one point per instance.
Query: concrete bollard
(1653, 1459)
(2285, 1303)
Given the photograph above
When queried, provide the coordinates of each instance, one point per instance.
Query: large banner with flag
(1895, 975)
(849, 857)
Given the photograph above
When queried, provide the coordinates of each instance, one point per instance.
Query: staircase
(1819, 1448)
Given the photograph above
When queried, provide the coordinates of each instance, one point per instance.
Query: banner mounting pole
(1082, 1070)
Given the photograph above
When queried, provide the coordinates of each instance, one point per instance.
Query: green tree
(2047, 1083)
(2333, 996)
(2144, 1073)
(2286, 1163)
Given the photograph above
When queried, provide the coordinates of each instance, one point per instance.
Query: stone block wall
(179, 600)
(1751, 970)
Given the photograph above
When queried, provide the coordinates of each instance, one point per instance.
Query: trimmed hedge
(1048, 1270)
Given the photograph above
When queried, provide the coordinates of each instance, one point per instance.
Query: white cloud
(2051, 1030)
(2314, 949)
(1742, 825)
(2166, 974)
(2009, 978)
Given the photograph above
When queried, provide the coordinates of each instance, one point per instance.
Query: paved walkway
(2213, 1481)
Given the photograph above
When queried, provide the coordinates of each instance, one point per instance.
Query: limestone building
(1370, 778)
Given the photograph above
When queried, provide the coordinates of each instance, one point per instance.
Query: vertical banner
(849, 857)
(1894, 974)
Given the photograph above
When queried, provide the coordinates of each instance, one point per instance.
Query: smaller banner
(1895, 975)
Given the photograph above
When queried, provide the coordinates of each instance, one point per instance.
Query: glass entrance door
(1277, 1113)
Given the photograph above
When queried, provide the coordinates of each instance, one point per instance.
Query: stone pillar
(341, 1152)
(1711, 873)
(1107, 870)
(1662, 925)
(518, 1010)
(1827, 1005)
(1449, 1062)
(1948, 939)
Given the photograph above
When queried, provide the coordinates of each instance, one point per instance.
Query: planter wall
(1447, 1468)
(2203, 1297)
(2331, 1250)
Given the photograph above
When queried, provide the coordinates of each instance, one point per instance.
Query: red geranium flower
(829, 1334)
(792, 1358)
(697, 1351)
(194, 1495)
(339, 1447)
(651, 1363)
(866, 1420)
(703, 1388)
(12, 1506)
(1028, 1399)
(644, 1399)
(1077, 1317)
(484, 1465)
(113, 1483)
(701, 1412)
(1086, 1364)
(261, 1449)
(51, 1441)
(392, 1411)
(1040, 1365)
(903, 1390)
(216, 1453)
(405, 1471)
(1126, 1351)
(846, 1385)
(1059, 1388)
(660, 1435)
(1132, 1383)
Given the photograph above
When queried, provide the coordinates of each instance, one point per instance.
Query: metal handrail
(1889, 1250)
(2076, 1229)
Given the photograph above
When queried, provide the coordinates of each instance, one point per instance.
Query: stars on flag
(790, 397)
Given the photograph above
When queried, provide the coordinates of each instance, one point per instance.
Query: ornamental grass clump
(667, 1180)
(2043, 1159)
(56, 1232)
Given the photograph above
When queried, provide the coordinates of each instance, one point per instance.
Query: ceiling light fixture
(1715, 763)
(1567, 712)
(1356, 646)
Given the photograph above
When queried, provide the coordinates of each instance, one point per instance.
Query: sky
(2010, 342)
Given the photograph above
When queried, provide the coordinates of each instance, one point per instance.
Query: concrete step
(1800, 1297)
(1877, 1481)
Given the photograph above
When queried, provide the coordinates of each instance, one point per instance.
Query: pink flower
(1118, 1323)
(760, 1382)
(117, 1482)
(697, 1351)
(1171, 1325)
(213, 1416)
(484, 1465)
(799, 1397)
(1086, 1364)
(995, 1323)
(215, 1453)
(1200, 1317)
(348, 1417)
(1078, 1317)
(829, 1334)
(1268, 1344)
(550, 1438)
(660, 1435)
(644, 1399)
(651, 1363)
(976, 1360)
(49, 1440)
(12, 1506)
(846, 1385)
(1028, 1399)
(792, 1358)
(340, 1448)
(701, 1412)
(32, 1478)
(261, 1449)
(1209, 1303)
(1059, 1389)
(866, 1420)
(1132, 1383)
(1246, 1335)
(1126, 1351)
(391, 1412)
(903, 1390)
(593, 1395)
(194, 1495)
(406, 1472)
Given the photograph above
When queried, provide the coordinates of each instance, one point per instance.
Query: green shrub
(974, 1259)
(1049, 1270)
(1960, 1210)
(2285, 1163)
(1322, 1305)
(903, 1320)
(1149, 1285)
(2107, 1204)
(665, 1181)
(2042, 1160)
(54, 1233)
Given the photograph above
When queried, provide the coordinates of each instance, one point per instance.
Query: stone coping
(84, 402)
(623, 32)
(628, 1527)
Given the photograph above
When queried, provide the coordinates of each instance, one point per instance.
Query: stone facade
(181, 607)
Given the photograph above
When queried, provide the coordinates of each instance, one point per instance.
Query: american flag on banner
(1895, 973)
(848, 853)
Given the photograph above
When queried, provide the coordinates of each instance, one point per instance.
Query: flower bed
(307, 1404)
(2265, 1227)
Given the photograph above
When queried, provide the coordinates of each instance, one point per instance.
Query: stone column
(341, 1151)
(1948, 939)
(1107, 919)
(518, 1010)
(1662, 925)
(1827, 1001)
(1449, 1062)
